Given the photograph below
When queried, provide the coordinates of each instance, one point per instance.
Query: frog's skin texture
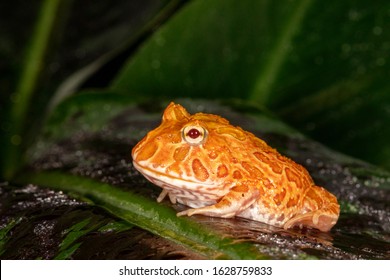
(221, 170)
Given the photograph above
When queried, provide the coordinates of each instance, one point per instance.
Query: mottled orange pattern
(220, 170)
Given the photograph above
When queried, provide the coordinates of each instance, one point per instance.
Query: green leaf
(147, 214)
(323, 66)
(4, 232)
(67, 246)
(82, 140)
(29, 94)
(66, 253)
(116, 226)
(102, 66)
(199, 51)
(15, 137)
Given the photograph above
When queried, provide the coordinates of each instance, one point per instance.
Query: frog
(220, 170)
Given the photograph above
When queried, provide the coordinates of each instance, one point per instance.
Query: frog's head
(187, 151)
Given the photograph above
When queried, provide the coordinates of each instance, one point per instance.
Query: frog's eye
(194, 135)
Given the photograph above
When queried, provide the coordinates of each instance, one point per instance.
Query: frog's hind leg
(320, 210)
(236, 200)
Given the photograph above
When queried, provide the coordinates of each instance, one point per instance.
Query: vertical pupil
(193, 133)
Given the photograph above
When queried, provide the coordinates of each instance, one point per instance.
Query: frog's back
(281, 182)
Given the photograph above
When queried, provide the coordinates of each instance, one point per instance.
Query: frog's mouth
(164, 180)
(188, 192)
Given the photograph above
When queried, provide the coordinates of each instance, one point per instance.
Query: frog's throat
(166, 180)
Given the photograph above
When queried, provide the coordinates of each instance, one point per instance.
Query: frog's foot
(164, 193)
(235, 201)
(321, 211)
(319, 219)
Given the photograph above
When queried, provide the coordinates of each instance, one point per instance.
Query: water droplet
(380, 61)
(311, 126)
(156, 64)
(16, 140)
(160, 41)
(354, 15)
(188, 82)
(5, 126)
(346, 48)
(319, 60)
(361, 70)
(377, 30)
(14, 97)
(107, 107)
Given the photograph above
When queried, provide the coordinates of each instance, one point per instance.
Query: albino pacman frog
(220, 170)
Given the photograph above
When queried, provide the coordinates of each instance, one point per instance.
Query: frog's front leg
(164, 193)
(236, 200)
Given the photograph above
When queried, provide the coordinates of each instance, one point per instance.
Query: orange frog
(220, 170)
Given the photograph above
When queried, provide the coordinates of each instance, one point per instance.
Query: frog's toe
(207, 211)
(320, 220)
(185, 213)
(162, 195)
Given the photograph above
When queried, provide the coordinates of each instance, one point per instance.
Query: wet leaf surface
(47, 224)
(103, 154)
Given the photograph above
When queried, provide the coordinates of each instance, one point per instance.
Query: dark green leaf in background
(323, 66)
(17, 130)
(41, 59)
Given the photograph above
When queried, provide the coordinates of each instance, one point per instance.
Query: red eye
(193, 133)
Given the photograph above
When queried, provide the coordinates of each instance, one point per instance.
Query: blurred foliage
(58, 48)
(321, 67)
